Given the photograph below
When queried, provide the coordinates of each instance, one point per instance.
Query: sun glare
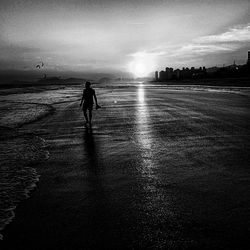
(142, 66)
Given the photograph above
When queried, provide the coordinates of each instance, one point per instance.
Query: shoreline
(216, 82)
(223, 82)
(25, 158)
(19, 155)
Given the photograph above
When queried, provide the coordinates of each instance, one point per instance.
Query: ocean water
(17, 178)
(19, 151)
(48, 96)
(15, 114)
(17, 109)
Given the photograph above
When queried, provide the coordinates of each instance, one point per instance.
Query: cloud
(236, 34)
(226, 42)
(203, 49)
(146, 54)
(229, 41)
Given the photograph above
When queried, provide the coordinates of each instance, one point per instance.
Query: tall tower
(248, 58)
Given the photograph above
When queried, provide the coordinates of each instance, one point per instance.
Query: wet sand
(161, 168)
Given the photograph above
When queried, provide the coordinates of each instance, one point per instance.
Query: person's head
(87, 85)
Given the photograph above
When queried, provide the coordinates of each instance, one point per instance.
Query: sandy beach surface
(161, 168)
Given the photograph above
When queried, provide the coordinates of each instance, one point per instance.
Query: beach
(163, 167)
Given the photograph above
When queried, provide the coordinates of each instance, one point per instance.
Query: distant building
(177, 74)
(162, 75)
(185, 73)
(156, 75)
(232, 70)
(169, 73)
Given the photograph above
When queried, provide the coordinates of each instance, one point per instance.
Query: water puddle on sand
(17, 177)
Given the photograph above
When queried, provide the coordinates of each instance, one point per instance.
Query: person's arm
(96, 104)
(82, 99)
(95, 99)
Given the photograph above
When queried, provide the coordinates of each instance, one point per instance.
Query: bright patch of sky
(112, 36)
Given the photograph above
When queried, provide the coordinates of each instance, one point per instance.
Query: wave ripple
(17, 177)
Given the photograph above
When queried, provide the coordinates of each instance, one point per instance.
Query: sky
(114, 36)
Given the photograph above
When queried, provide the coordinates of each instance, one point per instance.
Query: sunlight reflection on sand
(144, 133)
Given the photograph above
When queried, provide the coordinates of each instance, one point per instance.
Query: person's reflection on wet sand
(98, 210)
(90, 149)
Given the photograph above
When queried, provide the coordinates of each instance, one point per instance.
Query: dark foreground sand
(160, 169)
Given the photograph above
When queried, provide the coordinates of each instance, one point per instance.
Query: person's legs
(90, 115)
(85, 115)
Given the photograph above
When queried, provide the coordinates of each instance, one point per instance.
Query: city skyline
(235, 70)
(137, 37)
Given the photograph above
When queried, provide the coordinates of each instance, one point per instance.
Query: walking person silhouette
(87, 102)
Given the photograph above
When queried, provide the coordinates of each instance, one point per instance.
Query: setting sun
(138, 69)
(142, 65)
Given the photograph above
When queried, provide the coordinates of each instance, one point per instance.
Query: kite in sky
(40, 65)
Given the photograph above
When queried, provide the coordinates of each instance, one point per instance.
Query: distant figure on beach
(87, 102)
